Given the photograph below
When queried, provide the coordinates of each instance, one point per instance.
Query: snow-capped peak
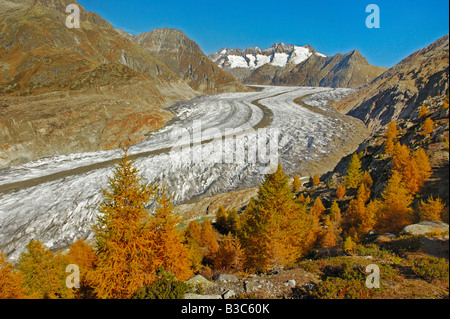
(279, 54)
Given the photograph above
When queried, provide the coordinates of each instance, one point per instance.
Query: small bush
(430, 268)
(339, 288)
(164, 287)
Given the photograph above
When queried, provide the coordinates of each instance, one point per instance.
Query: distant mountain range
(285, 64)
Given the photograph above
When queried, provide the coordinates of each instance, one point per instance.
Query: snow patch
(280, 59)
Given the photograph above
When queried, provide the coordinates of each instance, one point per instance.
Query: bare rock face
(185, 58)
(349, 70)
(398, 92)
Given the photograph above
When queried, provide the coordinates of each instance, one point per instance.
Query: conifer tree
(354, 173)
(193, 239)
(83, 255)
(301, 198)
(173, 256)
(208, 239)
(317, 209)
(414, 168)
(12, 285)
(335, 213)
(296, 185)
(328, 237)
(124, 232)
(275, 230)
(233, 221)
(221, 220)
(422, 161)
(423, 111)
(391, 137)
(44, 272)
(340, 192)
(432, 210)
(394, 211)
(316, 180)
(427, 127)
(230, 255)
(193, 233)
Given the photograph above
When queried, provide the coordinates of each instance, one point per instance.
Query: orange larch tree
(83, 255)
(44, 272)
(208, 239)
(394, 211)
(391, 137)
(230, 256)
(12, 285)
(432, 210)
(316, 180)
(124, 233)
(423, 111)
(173, 255)
(427, 127)
(317, 208)
(354, 173)
(340, 192)
(275, 229)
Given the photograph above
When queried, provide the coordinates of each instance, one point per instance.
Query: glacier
(56, 199)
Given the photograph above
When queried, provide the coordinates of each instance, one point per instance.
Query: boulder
(290, 283)
(228, 294)
(199, 280)
(425, 227)
(225, 278)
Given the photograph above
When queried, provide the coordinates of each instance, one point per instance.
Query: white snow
(252, 60)
(237, 61)
(261, 60)
(280, 59)
(300, 54)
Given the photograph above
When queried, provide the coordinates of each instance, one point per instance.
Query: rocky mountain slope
(185, 58)
(296, 66)
(396, 93)
(68, 90)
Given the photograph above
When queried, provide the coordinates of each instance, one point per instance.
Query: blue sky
(328, 26)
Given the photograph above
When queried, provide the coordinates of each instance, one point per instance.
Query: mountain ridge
(396, 93)
(82, 89)
(185, 58)
(295, 65)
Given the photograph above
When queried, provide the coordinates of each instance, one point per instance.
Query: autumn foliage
(391, 137)
(354, 173)
(275, 229)
(427, 127)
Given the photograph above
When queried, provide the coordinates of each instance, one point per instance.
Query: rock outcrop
(185, 58)
(399, 92)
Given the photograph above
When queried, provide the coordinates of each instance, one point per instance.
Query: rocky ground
(395, 256)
